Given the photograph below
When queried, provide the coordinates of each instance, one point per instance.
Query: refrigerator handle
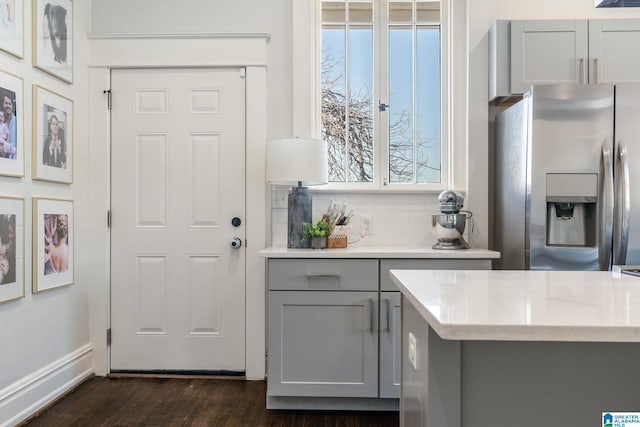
(622, 206)
(605, 208)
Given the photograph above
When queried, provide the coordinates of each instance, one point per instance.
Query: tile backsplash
(395, 219)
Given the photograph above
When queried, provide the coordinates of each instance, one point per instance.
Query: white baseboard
(20, 400)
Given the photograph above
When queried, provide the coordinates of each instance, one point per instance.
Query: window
(381, 93)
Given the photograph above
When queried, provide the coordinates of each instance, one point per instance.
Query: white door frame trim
(109, 51)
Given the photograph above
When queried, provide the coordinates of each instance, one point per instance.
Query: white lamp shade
(294, 160)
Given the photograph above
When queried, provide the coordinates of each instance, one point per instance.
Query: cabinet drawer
(386, 284)
(317, 274)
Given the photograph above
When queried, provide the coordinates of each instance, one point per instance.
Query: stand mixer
(448, 226)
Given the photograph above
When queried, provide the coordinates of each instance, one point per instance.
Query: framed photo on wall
(52, 136)
(11, 135)
(52, 243)
(11, 248)
(11, 27)
(53, 37)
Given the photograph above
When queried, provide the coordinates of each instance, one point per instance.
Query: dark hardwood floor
(186, 402)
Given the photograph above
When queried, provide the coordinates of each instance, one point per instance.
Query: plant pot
(318, 242)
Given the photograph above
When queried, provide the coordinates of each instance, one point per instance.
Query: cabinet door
(390, 344)
(323, 344)
(545, 52)
(614, 51)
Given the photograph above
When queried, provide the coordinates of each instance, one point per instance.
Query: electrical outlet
(279, 199)
(413, 351)
(365, 225)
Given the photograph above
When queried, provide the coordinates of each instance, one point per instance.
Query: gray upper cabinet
(548, 52)
(614, 51)
(523, 53)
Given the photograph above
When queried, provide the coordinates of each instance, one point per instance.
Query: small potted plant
(317, 233)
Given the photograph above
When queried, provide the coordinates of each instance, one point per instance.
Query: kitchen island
(517, 348)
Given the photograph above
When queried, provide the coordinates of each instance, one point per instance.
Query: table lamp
(297, 162)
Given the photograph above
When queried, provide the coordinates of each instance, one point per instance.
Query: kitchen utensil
(449, 229)
(448, 226)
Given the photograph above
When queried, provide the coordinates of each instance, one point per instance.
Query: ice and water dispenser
(572, 209)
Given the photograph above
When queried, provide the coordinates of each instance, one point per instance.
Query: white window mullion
(414, 104)
(446, 74)
(382, 48)
(347, 107)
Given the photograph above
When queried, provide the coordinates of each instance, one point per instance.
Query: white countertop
(379, 252)
(525, 305)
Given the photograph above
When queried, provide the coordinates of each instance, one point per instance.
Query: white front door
(178, 180)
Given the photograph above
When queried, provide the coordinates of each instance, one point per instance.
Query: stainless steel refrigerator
(566, 160)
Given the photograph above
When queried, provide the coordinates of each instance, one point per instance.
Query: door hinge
(109, 336)
(109, 219)
(108, 93)
(243, 72)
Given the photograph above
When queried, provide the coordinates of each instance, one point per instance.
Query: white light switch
(413, 351)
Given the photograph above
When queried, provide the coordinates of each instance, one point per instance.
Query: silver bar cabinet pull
(312, 276)
(371, 314)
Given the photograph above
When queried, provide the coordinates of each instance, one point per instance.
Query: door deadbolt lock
(236, 243)
(236, 222)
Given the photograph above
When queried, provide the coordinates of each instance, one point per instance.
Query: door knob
(236, 243)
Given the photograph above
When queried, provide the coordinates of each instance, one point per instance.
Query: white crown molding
(178, 50)
(139, 36)
(119, 36)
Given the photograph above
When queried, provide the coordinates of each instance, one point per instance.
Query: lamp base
(299, 212)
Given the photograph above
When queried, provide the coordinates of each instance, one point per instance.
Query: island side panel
(430, 393)
(529, 384)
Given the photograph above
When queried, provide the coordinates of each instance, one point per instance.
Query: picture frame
(11, 134)
(52, 243)
(11, 248)
(53, 37)
(12, 27)
(52, 157)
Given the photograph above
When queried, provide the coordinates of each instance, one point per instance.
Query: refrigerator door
(570, 125)
(605, 207)
(627, 173)
(510, 187)
(622, 205)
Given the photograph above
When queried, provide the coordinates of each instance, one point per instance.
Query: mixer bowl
(448, 227)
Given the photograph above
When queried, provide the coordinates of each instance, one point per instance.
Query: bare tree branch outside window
(346, 119)
(352, 116)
